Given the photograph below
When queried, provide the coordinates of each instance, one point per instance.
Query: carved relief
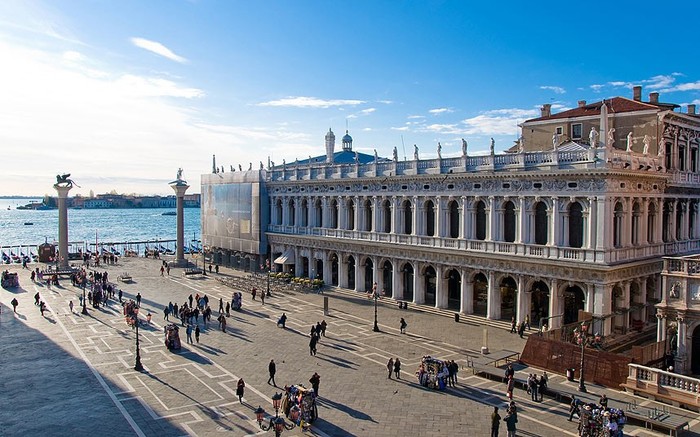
(675, 291)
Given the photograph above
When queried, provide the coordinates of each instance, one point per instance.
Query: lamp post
(375, 328)
(204, 260)
(84, 311)
(585, 339)
(277, 423)
(268, 277)
(138, 366)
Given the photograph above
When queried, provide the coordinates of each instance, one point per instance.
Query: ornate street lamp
(84, 311)
(376, 296)
(584, 339)
(138, 366)
(277, 423)
(268, 277)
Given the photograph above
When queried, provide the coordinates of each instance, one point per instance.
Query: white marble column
(62, 189)
(466, 305)
(441, 285)
(418, 285)
(180, 186)
(493, 301)
(555, 312)
(522, 300)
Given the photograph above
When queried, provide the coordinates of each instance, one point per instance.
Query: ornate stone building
(576, 216)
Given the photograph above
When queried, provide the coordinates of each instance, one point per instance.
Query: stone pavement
(68, 374)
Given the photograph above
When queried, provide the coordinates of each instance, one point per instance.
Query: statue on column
(464, 147)
(611, 138)
(179, 174)
(493, 146)
(555, 140)
(630, 140)
(415, 152)
(395, 154)
(439, 150)
(63, 180)
(647, 143)
(593, 137)
(376, 158)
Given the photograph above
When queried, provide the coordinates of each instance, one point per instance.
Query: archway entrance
(334, 269)
(408, 273)
(539, 304)
(509, 290)
(454, 289)
(695, 351)
(430, 285)
(369, 274)
(481, 294)
(574, 299)
(351, 273)
(387, 279)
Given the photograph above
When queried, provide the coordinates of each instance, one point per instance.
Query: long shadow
(331, 429)
(344, 408)
(210, 350)
(337, 362)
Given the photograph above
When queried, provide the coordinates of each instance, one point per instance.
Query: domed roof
(347, 138)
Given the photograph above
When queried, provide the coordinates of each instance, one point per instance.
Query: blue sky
(122, 93)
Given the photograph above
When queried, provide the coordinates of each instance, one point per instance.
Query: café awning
(286, 258)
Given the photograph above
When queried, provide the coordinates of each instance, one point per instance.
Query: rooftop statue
(63, 180)
(593, 137)
(493, 146)
(611, 138)
(179, 174)
(395, 154)
(415, 152)
(439, 150)
(647, 142)
(464, 147)
(630, 140)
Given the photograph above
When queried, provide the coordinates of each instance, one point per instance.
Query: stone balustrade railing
(656, 383)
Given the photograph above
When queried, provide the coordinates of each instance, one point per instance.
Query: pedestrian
(14, 304)
(511, 420)
(223, 324)
(402, 326)
(510, 387)
(574, 408)
(167, 269)
(196, 333)
(189, 333)
(318, 330)
(323, 327)
(495, 422)
(240, 390)
(397, 368)
(534, 385)
(70, 305)
(166, 312)
(254, 291)
(390, 367)
(453, 373)
(190, 299)
(272, 368)
(37, 298)
(162, 270)
(138, 300)
(542, 385)
(527, 321)
(510, 372)
(262, 298)
(315, 381)
(603, 402)
(209, 268)
(42, 307)
(120, 296)
(521, 329)
(512, 325)
(220, 319)
(216, 269)
(312, 344)
(282, 322)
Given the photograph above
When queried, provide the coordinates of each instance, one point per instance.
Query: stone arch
(350, 212)
(368, 216)
(454, 288)
(387, 277)
(576, 231)
(541, 211)
(408, 274)
(508, 289)
(291, 212)
(430, 284)
(351, 271)
(333, 259)
(367, 273)
(509, 221)
(429, 208)
(407, 207)
(454, 218)
(480, 221)
(618, 220)
(481, 293)
(694, 350)
(304, 219)
(278, 211)
(574, 300)
(334, 222)
(386, 213)
(651, 222)
(317, 213)
(539, 292)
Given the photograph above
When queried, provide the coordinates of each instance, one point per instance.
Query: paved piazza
(68, 374)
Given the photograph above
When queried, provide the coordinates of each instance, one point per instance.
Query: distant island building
(575, 219)
(107, 201)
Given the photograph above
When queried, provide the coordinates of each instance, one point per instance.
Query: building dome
(347, 141)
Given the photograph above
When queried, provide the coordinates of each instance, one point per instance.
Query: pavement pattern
(70, 374)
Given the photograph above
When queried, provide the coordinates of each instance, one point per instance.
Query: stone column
(397, 280)
(493, 303)
(180, 186)
(467, 295)
(63, 190)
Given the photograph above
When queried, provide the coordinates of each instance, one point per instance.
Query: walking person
(228, 309)
(323, 327)
(390, 367)
(510, 387)
(574, 408)
(221, 305)
(223, 324)
(37, 299)
(189, 333)
(512, 325)
(511, 420)
(262, 298)
(527, 321)
(272, 369)
(167, 269)
(196, 334)
(166, 313)
(495, 422)
(240, 390)
(162, 270)
(70, 305)
(120, 296)
(138, 300)
(14, 304)
(315, 381)
(397, 368)
(312, 344)
(42, 308)
(402, 326)
(521, 329)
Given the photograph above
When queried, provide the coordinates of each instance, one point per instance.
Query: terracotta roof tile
(615, 105)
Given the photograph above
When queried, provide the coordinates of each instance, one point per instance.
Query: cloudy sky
(122, 93)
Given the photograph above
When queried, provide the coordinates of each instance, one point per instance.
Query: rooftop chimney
(546, 110)
(691, 109)
(581, 103)
(653, 97)
(637, 93)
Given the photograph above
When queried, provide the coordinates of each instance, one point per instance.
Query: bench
(659, 419)
(124, 277)
(47, 273)
(190, 272)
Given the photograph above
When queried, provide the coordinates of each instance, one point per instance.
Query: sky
(123, 93)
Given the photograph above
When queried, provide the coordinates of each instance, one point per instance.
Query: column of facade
(465, 218)
(62, 190)
(342, 213)
(376, 215)
(523, 300)
(298, 263)
(521, 230)
(555, 313)
(466, 304)
(493, 301)
(490, 219)
(327, 268)
(342, 271)
(603, 307)
(418, 285)
(297, 212)
(440, 288)
(416, 217)
(358, 219)
(401, 218)
(554, 229)
(672, 220)
(660, 327)
(685, 218)
(397, 280)
(180, 187)
(421, 221)
(359, 274)
(590, 298)
(395, 214)
(680, 363)
(592, 223)
(658, 232)
(627, 222)
(285, 211)
(644, 222)
(564, 232)
(626, 298)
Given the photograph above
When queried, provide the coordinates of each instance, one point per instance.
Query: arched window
(575, 225)
(368, 216)
(334, 214)
(693, 212)
(651, 223)
(665, 226)
(429, 218)
(541, 223)
(509, 222)
(480, 221)
(453, 208)
(618, 216)
(318, 213)
(278, 212)
(636, 215)
(351, 215)
(386, 206)
(304, 219)
(291, 213)
(407, 217)
(679, 220)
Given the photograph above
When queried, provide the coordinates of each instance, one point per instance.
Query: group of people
(317, 330)
(536, 386)
(394, 365)
(519, 328)
(597, 417)
(510, 419)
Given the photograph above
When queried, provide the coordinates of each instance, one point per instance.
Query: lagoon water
(86, 225)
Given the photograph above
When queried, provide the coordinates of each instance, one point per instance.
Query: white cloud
(659, 82)
(498, 121)
(690, 86)
(402, 128)
(73, 56)
(385, 102)
(440, 111)
(310, 102)
(155, 87)
(158, 49)
(416, 117)
(596, 88)
(368, 111)
(556, 89)
(620, 84)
